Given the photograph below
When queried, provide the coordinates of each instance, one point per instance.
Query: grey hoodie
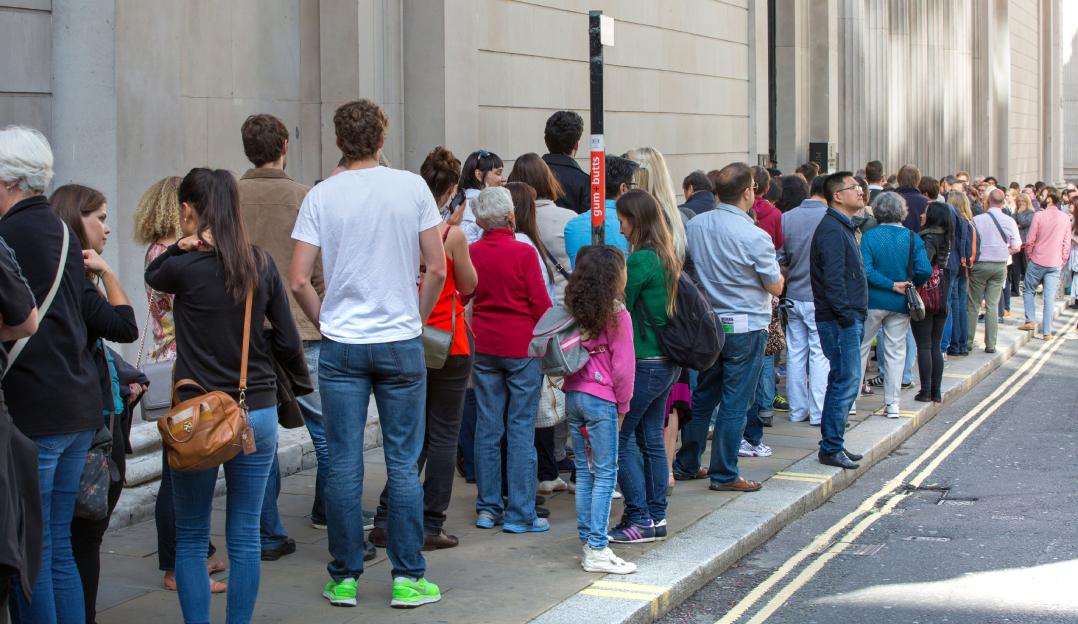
(798, 226)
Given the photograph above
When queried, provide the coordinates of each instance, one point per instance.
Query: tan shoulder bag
(208, 430)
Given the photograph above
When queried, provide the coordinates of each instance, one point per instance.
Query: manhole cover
(863, 550)
(925, 538)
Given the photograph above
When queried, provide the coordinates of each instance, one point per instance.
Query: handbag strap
(44, 309)
(557, 265)
(999, 228)
(246, 348)
(909, 267)
(145, 328)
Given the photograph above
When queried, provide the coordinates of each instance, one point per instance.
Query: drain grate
(957, 501)
(925, 538)
(826, 547)
(863, 550)
(1012, 518)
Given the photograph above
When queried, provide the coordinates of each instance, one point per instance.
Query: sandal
(220, 568)
(216, 587)
(876, 381)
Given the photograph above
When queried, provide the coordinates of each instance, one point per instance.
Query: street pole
(600, 32)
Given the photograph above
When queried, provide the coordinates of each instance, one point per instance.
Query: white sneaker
(761, 450)
(892, 411)
(853, 409)
(616, 495)
(605, 561)
(571, 487)
(546, 488)
(746, 450)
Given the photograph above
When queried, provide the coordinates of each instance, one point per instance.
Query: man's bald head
(996, 197)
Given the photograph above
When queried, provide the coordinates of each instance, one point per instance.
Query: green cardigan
(646, 280)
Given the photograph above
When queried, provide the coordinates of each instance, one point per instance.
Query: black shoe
(273, 554)
(539, 500)
(923, 397)
(369, 552)
(766, 420)
(542, 512)
(907, 386)
(837, 459)
(852, 456)
(989, 349)
(566, 465)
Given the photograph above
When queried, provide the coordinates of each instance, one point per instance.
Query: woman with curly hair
(598, 395)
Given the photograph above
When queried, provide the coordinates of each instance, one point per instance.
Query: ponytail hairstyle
(441, 171)
(213, 195)
(641, 210)
(595, 293)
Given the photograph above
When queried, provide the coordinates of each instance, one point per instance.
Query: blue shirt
(578, 232)
(733, 260)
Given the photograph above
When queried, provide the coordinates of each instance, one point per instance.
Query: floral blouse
(164, 329)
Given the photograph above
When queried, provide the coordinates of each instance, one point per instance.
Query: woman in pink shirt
(597, 396)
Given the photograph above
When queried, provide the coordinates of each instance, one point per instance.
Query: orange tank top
(443, 310)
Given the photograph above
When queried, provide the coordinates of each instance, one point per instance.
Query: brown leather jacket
(271, 200)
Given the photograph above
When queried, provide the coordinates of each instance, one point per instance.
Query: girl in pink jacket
(597, 396)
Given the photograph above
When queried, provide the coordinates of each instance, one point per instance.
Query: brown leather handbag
(208, 430)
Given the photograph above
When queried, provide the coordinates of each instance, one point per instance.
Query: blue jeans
(730, 384)
(58, 595)
(764, 404)
(911, 355)
(271, 533)
(192, 493)
(594, 485)
(397, 373)
(311, 408)
(957, 318)
(466, 439)
(1049, 276)
(501, 381)
(842, 347)
(645, 490)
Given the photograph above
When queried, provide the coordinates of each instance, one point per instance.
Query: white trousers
(806, 365)
(895, 326)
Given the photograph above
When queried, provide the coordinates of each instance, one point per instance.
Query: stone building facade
(130, 91)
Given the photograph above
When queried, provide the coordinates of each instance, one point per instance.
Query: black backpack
(693, 338)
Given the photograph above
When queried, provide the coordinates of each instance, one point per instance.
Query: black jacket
(52, 388)
(209, 325)
(839, 286)
(113, 323)
(916, 205)
(700, 202)
(575, 185)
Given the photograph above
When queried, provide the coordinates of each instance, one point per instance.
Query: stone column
(441, 78)
(854, 112)
(1051, 92)
(791, 61)
(759, 128)
(822, 73)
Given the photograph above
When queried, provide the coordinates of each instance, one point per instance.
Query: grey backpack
(556, 340)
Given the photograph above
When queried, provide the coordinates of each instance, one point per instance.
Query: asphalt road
(989, 536)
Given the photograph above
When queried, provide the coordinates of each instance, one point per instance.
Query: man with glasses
(840, 293)
(735, 264)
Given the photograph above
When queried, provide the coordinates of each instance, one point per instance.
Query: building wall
(1069, 62)
(1025, 136)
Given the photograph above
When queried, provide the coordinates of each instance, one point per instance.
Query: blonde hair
(654, 177)
(1025, 199)
(961, 202)
(157, 213)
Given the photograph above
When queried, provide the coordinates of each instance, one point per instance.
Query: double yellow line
(932, 455)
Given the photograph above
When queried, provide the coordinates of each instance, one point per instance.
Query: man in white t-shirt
(371, 223)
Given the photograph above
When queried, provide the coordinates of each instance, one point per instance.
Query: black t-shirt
(16, 299)
(113, 323)
(52, 388)
(209, 325)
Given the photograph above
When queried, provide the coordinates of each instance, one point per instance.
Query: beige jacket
(270, 200)
(551, 220)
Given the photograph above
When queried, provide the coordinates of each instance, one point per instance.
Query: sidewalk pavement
(494, 576)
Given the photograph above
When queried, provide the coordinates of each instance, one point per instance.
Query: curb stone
(673, 571)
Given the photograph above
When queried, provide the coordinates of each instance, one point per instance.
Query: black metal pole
(597, 169)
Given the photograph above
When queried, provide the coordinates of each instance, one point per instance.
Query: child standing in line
(597, 396)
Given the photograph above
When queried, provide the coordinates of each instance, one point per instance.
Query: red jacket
(770, 220)
(510, 297)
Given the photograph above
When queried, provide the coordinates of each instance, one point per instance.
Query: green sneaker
(408, 594)
(780, 404)
(341, 594)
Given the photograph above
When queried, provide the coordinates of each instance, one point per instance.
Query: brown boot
(441, 540)
(377, 537)
(1027, 326)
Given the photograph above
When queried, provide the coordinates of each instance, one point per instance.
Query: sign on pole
(600, 32)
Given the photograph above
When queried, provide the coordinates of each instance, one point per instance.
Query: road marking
(659, 597)
(957, 376)
(801, 479)
(609, 593)
(630, 586)
(805, 474)
(1019, 377)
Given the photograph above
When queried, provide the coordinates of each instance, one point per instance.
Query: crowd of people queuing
(424, 290)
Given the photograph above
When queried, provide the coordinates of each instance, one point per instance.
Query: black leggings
(929, 334)
(544, 449)
(86, 534)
